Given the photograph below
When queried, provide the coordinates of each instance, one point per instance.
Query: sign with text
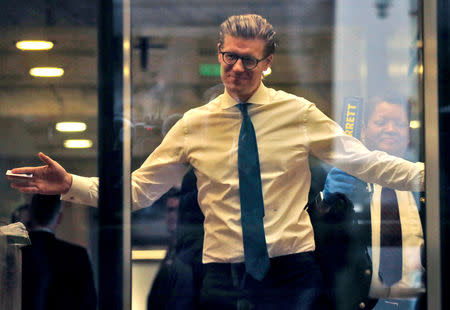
(352, 114)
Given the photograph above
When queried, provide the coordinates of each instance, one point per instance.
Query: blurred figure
(190, 233)
(172, 204)
(22, 214)
(178, 282)
(55, 274)
(169, 286)
(389, 223)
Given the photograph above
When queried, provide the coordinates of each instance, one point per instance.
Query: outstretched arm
(51, 179)
(163, 169)
(329, 143)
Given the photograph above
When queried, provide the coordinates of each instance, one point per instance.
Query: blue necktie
(252, 205)
(390, 239)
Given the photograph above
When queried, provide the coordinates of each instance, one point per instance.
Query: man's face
(387, 129)
(240, 82)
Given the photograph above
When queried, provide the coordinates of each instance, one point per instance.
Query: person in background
(178, 281)
(389, 221)
(170, 287)
(55, 274)
(22, 214)
(249, 151)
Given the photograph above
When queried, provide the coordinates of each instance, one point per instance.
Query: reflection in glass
(31, 106)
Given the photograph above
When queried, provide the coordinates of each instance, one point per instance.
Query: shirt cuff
(83, 191)
(421, 186)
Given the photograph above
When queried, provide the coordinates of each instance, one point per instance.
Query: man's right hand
(51, 179)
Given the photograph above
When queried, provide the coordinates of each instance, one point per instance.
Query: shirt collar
(41, 228)
(259, 97)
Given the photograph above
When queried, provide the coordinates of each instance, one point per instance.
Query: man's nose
(239, 66)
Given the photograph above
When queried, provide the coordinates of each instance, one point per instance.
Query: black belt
(278, 260)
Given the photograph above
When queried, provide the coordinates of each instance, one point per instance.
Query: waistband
(279, 260)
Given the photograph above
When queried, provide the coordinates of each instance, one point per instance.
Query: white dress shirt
(410, 285)
(288, 128)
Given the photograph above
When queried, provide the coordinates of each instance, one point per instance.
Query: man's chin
(235, 85)
(235, 89)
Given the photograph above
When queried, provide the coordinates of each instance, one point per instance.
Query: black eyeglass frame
(242, 58)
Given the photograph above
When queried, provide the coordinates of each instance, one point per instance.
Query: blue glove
(339, 181)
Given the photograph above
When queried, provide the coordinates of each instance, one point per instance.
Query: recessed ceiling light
(34, 45)
(267, 72)
(70, 126)
(414, 124)
(77, 143)
(46, 72)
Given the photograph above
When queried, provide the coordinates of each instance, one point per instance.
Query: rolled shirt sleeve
(162, 170)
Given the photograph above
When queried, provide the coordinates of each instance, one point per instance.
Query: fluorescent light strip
(46, 72)
(77, 144)
(148, 254)
(70, 126)
(34, 45)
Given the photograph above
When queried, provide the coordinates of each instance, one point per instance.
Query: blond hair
(249, 26)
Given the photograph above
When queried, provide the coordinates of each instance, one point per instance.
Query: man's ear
(218, 52)
(268, 61)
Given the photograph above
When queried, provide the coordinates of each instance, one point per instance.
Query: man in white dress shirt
(287, 128)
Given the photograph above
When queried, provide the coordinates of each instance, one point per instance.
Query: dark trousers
(294, 282)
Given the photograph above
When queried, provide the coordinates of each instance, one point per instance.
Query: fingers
(46, 159)
(43, 157)
(345, 178)
(338, 172)
(344, 189)
(341, 176)
(26, 170)
(26, 187)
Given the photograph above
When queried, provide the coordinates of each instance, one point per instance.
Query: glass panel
(359, 63)
(30, 109)
(377, 59)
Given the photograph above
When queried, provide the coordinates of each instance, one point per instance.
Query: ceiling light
(46, 71)
(77, 143)
(34, 45)
(267, 72)
(70, 126)
(414, 124)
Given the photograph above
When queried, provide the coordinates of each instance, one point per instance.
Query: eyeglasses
(248, 62)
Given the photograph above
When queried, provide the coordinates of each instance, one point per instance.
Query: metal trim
(127, 201)
(432, 184)
(114, 89)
